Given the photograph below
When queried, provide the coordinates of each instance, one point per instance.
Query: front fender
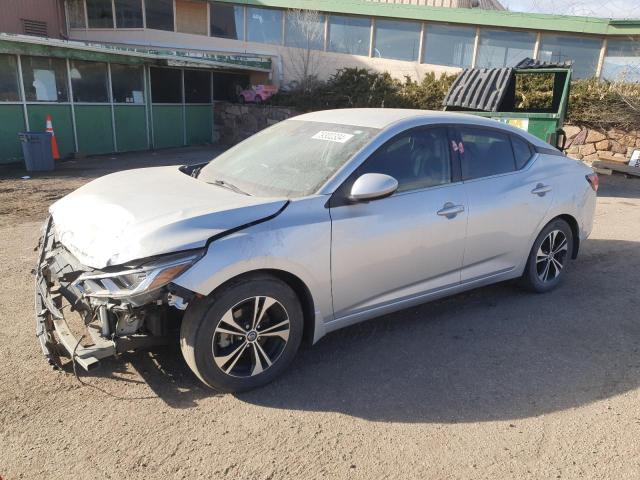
(298, 241)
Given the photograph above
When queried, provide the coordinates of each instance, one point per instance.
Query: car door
(508, 198)
(400, 247)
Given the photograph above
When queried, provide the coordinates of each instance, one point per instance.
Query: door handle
(450, 210)
(541, 190)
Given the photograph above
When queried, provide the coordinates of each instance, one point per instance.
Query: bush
(592, 103)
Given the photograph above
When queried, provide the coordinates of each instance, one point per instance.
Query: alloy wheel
(551, 256)
(251, 336)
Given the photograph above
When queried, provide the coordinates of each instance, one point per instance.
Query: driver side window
(416, 159)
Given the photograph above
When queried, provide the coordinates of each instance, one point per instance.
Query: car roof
(383, 118)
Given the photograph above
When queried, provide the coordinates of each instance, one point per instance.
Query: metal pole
(536, 48)
(145, 95)
(73, 110)
(184, 112)
(113, 114)
(603, 53)
(22, 94)
(149, 100)
(476, 48)
(372, 36)
(423, 31)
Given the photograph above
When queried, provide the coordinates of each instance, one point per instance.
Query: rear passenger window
(484, 153)
(522, 152)
(416, 159)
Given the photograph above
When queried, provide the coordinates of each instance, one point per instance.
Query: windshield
(293, 158)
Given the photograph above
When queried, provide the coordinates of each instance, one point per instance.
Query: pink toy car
(257, 93)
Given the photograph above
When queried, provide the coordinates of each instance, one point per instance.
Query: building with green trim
(138, 74)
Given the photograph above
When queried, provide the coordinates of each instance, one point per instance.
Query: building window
(397, 39)
(227, 86)
(504, 48)
(166, 85)
(89, 81)
(197, 86)
(264, 25)
(128, 13)
(99, 14)
(622, 61)
(126, 83)
(305, 29)
(45, 79)
(75, 13)
(191, 17)
(227, 21)
(9, 79)
(159, 14)
(449, 45)
(584, 52)
(350, 35)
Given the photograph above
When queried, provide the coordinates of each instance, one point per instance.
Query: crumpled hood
(141, 213)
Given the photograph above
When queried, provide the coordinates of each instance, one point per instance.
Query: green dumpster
(532, 96)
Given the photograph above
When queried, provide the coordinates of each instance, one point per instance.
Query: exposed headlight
(137, 281)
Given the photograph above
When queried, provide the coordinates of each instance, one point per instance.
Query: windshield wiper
(230, 186)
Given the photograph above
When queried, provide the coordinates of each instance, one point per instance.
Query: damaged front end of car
(115, 310)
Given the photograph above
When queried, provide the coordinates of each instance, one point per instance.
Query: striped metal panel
(479, 89)
(480, 4)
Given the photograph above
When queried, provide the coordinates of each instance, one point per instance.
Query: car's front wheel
(549, 257)
(243, 335)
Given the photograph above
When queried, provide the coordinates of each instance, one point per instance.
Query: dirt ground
(495, 383)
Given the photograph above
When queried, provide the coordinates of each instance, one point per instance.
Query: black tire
(203, 316)
(258, 99)
(533, 278)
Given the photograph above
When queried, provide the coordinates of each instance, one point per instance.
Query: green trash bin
(36, 148)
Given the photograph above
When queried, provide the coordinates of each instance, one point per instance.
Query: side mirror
(372, 186)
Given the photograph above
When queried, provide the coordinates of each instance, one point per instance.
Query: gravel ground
(495, 383)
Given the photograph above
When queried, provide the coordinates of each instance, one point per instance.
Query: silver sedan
(314, 224)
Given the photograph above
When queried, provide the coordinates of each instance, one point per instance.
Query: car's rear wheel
(244, 335)
(549, 257)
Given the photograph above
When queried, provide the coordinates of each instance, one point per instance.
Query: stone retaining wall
(589, 144)
(234, 122)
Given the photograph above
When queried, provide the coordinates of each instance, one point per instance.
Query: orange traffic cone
(54, 144)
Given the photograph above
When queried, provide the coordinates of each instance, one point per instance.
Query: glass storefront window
(128, 13)
(305, 29)
(504, 48)
(89, 81)
(159, 14)
(75, 13)
(197, 86)
(397, 39)
(622, 60)
(449, 45)
(9, 91)
(264, 25)
(166, 85)
(349, 34)
(583, 51)
(227, 21)
(99, 14)
(45, 79)
(126, 83)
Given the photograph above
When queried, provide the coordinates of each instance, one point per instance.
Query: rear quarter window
(522, 152)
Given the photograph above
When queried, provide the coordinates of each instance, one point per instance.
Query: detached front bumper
(53, 285)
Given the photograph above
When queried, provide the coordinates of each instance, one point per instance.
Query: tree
(305, 34)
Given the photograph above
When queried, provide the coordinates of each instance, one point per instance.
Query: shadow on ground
(493, 353)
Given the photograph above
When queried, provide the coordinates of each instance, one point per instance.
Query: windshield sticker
(337, 137)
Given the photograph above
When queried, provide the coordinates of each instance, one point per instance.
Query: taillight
(593, 180)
